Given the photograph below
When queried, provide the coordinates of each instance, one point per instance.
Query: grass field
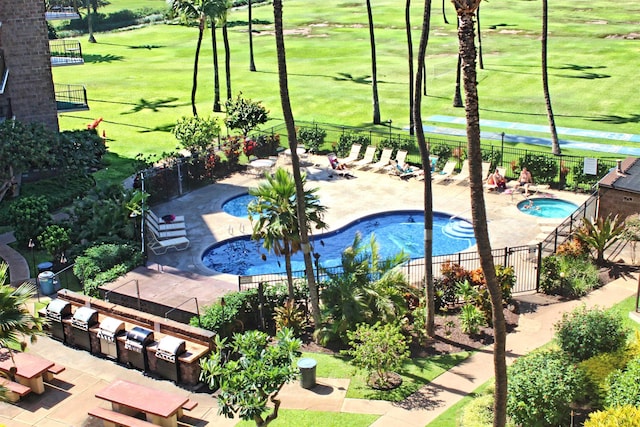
(139, 80)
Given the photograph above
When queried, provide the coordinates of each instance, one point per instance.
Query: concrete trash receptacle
(307, 368)
(46, 282)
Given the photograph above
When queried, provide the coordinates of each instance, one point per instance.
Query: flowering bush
(249, 146)
(232, 147)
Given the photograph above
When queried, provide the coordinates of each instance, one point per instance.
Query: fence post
(539, 266)
(261, 307)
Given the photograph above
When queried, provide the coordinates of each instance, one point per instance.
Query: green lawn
(139, 81)
(301, 418)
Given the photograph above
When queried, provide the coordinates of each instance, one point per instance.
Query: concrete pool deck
(174, 277)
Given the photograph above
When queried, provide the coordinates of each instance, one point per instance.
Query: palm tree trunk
(295, 161)
(444, 14)
(374, 67)
(216, 70)
(426, 164)
(466, 11)
(287, 266)
(480, 62)
(252, 65)
(92, 39)
(457, 96)
(194, 85)
(555, 145)
(227, 58)
(407, 24)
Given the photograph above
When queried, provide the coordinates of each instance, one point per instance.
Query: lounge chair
(406, 174)
(353, 155)
(167, 234)
(369, 154)
(401, 156)
(493, 187)
(385, 159)
(334, 162)
(165, 226)
(161, 246)
(445, 173)
(463, 176)
(161, 220)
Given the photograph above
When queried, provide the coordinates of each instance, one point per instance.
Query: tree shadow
(162, 128)
(153, 105)
(241, 23)
(585, 69)
(146, 46)
(97, 59)
(345, 77)
(617, 120)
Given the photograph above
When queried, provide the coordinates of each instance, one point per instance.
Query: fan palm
(277, 217)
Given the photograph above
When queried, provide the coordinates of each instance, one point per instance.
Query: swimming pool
(547, 208)
(394, 231)
(237, 206)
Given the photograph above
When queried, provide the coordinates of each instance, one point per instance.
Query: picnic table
(159, 407)
(31, 369)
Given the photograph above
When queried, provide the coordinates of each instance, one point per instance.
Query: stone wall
(614, 202)
(25, 43)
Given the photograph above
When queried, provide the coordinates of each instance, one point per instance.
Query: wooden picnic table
(30, 368)
(160, 407)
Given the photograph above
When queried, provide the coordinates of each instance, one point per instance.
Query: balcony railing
(71, 97)
(61, 12)
(65, 52)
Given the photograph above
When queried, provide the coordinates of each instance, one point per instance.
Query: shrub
(478, 413)
(379, 349)
(292, 316)
(624, 386)
(104, 263)
(584, 333)
(471, 318)
(543, 169)
(55, 240)
(312, 138)
(568, 276)
(29, 216)
(542, 385)
(598, 368)
(619, 416)
(443, 152)
(347, 140)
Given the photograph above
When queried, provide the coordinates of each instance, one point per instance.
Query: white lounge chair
(445, 173)
(401, 156)
(151, 219)
(385, 159)
(353, 155)
(159, 220)
(167, 234)
(334, 162)
(463, 176)
(161, 246)
(369, 154)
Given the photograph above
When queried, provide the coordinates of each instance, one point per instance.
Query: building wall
(617, 202)
(25, 43)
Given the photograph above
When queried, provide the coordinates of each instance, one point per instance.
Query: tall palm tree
(215, 9)
(426, 165)
(193, 10)
(92, 8)
(295, 161)
(252, 64)
(277, 217)
(407, 24)
(374, 67)
(466, 10)
(444, 14)
(227, 51)
(555, 145)
(16, 321)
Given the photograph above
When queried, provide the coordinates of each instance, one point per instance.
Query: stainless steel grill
(83, 319)
(57, 310)
(167, 353)
(137, 340)
(110, 328)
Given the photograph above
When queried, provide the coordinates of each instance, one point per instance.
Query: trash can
(307, 368)
(45, 266)
(46, 282)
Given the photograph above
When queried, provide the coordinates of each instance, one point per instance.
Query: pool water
(547, 208)
(237, 206)
(394, 231)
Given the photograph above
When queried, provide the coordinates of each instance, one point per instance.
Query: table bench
(117, 419)
(31, 368)
(15, 390)
(54, 370)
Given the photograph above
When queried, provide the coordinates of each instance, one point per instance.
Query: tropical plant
(368, 289)
(245, 114)
(542, 387)
(374, 65)
(16, 321)
(196, 134)
(466, 10)
(471, 318)
(250, 372)
(379, 349)
(290, 315)
(568, 276)
(555, 145)
(274, 216)
(216, 11)
(600, 234)
(252, 64)
(584, 332)
(55, 240)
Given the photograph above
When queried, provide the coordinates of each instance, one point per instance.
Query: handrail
(106, 295)
(181, 304)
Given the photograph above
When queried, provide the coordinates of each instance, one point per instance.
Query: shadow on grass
(617, 120)
(154, 105)
(97, 59)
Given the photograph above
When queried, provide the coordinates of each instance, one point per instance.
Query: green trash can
(45, 279)
(307, 368)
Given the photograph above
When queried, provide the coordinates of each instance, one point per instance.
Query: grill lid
(59, 307)
(85, 315)
(110, 326)
(140, 335)
(171, 345)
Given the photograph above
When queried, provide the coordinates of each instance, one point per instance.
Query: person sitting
(498, 180)
(525, 180)
(341, 169)
(406, 170)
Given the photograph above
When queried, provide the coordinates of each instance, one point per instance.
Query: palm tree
(295, 161)
(555, 145)
(277, 221)
(374, 67)
(426, 165)
(16, 322)
(466, 10)
(227, 51)
(407, 23)
(193, 10)
(92, 5)
(444, 14)
(215, 9)
(252, 65)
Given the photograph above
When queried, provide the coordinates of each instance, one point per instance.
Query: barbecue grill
(167, 353)
(108, 333)
(83, 319)
(57, 310)
(136, 345)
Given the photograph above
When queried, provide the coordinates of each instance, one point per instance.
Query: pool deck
(178, 276)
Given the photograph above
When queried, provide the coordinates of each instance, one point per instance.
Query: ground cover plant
(128, 86)
(305, 418)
